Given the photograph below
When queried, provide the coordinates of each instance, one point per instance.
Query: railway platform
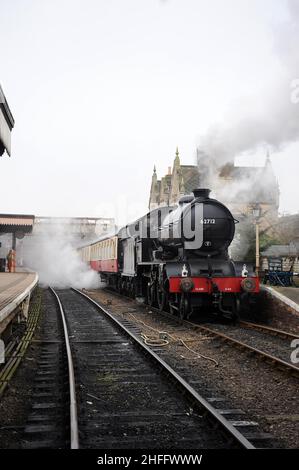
(15, 291)
(287, 295)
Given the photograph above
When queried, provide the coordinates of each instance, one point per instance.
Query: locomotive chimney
(202, 193)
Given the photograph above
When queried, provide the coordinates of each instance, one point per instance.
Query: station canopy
(16, 223)
(6, 124)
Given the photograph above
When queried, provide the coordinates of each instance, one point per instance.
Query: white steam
(269, 119)
(53, 255)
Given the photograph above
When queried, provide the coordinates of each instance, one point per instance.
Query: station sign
(275, 264)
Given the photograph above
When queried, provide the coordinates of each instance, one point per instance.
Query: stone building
(242, 189)
(180, 180)
(286, 256)
(287, 228)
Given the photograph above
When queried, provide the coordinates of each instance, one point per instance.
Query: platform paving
(287, 295)
(291, 292)
(14, 289)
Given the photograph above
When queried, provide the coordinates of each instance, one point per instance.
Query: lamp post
(257, 214)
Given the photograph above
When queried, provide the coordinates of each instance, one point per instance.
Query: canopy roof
(16, 223)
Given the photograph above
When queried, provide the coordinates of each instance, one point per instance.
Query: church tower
(176, 183)
(176, 180)
(154, 195)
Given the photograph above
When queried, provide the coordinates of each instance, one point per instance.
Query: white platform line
(281, 297)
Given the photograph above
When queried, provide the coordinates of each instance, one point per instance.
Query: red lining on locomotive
(203, 285)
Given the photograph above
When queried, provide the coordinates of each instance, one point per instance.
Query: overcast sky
(101, 90)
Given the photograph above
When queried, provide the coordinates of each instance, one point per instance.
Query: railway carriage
(177, 258)
(101, 255)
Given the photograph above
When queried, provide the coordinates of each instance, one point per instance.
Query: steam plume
(53, 255)
(269, 119)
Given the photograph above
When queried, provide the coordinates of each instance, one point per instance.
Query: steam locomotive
(176, 258)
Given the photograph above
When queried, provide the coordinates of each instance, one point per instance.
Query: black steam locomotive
(177, 258)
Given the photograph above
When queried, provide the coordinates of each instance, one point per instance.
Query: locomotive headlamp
(187, 284)
(248, 284)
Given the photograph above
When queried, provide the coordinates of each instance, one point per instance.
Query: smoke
(268, 119)
(51, 252)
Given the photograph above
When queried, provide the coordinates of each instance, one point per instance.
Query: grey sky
(101, 90)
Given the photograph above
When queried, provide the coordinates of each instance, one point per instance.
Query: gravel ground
(268, 396)
(15, 404)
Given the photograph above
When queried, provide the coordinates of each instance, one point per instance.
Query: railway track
(121, 393)
(271, 345)
(274, 352)
(269, 330)
(210, 380)
(48, 423)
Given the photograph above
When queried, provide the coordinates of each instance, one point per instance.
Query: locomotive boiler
(176, 258)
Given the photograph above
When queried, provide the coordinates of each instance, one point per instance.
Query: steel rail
(286, 365)
(189, 391)
(197, 326)
(74, 428)
(270, 330)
